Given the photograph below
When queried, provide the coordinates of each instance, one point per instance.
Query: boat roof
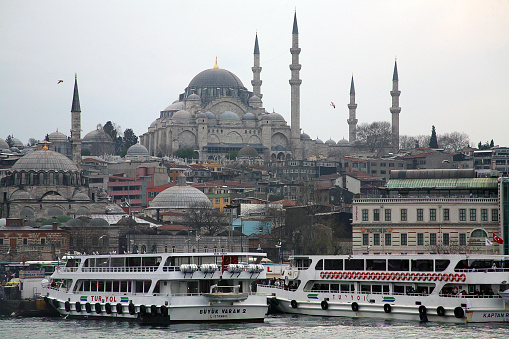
(194, 254)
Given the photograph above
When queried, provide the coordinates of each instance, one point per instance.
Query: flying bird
(332, 104)
(59, 81)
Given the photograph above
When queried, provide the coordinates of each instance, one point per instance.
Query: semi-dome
(181, 196)
(249, 116)
(276, 117)
(153, 124)
(247, 152)
(80, 196)
(176, 106)
(216, 77)
(98, 136)
(210, 115)
(227, 115)
(137, 150)
(181, 115)
(45, 160)
(21, 195)
(3, 144)
(57, 136)
(330, 142)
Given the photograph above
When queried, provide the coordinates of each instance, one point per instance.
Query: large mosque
(217, 114)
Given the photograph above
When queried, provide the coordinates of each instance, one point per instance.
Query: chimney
(55, 225)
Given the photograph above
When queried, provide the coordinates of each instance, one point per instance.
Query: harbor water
(274, 326)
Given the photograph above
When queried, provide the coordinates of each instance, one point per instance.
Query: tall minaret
(352, 121)
(76, 125)
(256, 82)
(395, 109)
(295, 92)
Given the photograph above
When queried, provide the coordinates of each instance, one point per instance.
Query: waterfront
(275, 326)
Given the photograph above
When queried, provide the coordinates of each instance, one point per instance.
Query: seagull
(332, 104)
(59, 81)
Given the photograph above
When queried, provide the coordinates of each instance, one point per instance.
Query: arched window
(106, 241)
(143, 249)
(95, 241)
(478, 233)
(165, 249)
(154, 249)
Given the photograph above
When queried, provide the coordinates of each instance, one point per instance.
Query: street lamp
(278, 246)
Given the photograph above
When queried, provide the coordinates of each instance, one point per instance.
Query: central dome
(44, 160)
(216, 77)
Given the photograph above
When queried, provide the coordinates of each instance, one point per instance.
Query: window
(391, 164)
(25, 241)
(217, 200)
(388, 239)
(225, 200)
(376, 239)
(463, 214)
(433, 239)
(446, 214)
(473, 214)
(387, 215)
(365, 239)
(432, 214)
(494, 215)
(403, 214)
(43, 241)
(484, 214)
(420, 214)
(478, 233)
(404, 240)
(420, 239)
(463, 239)
(376, 215)
(364, 215)
(382, 171)
(382, 164)
(446, 239)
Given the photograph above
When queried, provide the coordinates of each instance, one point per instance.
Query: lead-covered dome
(227, 115)
(216, 77)
(137, 150)
(44, 160)
(3, 144)
(181, 196)
(247, 152)
(57, 136)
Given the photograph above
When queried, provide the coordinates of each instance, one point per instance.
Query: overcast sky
(133, 58)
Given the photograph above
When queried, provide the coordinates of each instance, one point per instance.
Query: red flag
(497, 239)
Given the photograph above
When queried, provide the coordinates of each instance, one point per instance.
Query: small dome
(343, 142)
(330, 142)
(79, 196)
(17, 143)
(210, 115)
(227, 115)
(247, 152)
(202, 115)
(181, 196)
(254, 98)
(175, 106)
(249, 116)
(44, 160)
(319, 141)
(26, 150)
(265, 117)
(3, 144)
(153, 124)
(114, 209)
(97, 136)
(194, 97)
(137, 150)
(14, 149)
(21, 195)
(57, 136)
(305, 136)
(181, 115)
(99, 222)
(276, 117)
(77, 222)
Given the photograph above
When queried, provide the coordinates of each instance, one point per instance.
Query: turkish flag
(497, 239)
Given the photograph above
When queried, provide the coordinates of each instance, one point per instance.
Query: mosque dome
(254, 99)
(247, 152)
(202, 115)
(227, 115)
(3, 144)
(98, 136)
(181, 196)
(276, 117)
(216, 77)
(17, 143)
(182, 115)
(319, 141)
(137, 150)
(99, 222)
(210, 115)
(249, 116)
(304, 136)
(176, 106)
(79, 196)
(343, 142)
(57, 137)
(26, 150)
(14, 149)
(44, 160)
(194, 97)
(330, 142)
(153, 124)
(114, 209)
(21, 195)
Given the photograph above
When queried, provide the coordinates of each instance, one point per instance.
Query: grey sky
(134, 58)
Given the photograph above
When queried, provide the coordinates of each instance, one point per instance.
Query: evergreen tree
(433, 141)
(492, 144)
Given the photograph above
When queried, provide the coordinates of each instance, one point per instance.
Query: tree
(204, 219)
(232, 155)
(46, 138)
(492, 144)
(32, 142)
(453, 142)
(186, 153)
(9, 141)
(114, 131)
(129, 138)
(85, 152)
(376, 137)
(433, 142)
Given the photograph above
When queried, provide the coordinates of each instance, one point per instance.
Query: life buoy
(445, 277)
(153, 310)
(377, 275)
(451, 276)
(294, 304)
(348, 275)
(407, 276)
(322, 274)
(107, 307)
(440, 276)
(463, 277)
(456, 277)
(143, 310)
(365, 275)
(398, 276)
(336, 275)
(459, 312)
(78, 306)
(132, 309)
(164, 310)
(340, 275)
(440, 311)
(387, 308)
(382, 276)
(120, 308)
(422, 310)
(393, 276)
(455, 290)
(434, 277)
(88, 308)
(412, 276)
(98, 308)
(355, 307)
(324, 304)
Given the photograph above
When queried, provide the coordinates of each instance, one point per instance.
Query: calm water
(276, 326)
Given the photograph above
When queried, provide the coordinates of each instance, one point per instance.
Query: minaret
(256, 82)
(295, 92)
(76, 125)
(352, 121)
(395, 109)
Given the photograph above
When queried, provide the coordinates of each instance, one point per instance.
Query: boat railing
(132, 269)
(473, 296)
(67, 269)
(483, 270)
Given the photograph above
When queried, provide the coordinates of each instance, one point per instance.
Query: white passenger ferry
(160, 288)
(442, 288)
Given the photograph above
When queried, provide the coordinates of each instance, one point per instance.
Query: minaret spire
(395, 109)
(352, 121)
(295, 83)
(256, 82)
(76, 125)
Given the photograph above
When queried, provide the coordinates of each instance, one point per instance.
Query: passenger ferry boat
(160, 288)
(441, 288)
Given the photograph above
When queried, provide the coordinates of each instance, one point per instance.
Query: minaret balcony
(295, 50)
(295, 67)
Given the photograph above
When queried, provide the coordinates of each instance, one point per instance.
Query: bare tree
(454, 141)
(203, 218)
(376, 137)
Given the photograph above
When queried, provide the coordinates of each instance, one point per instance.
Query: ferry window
(346, 288)
(334, 287)
(117, 262)
(376, 264)
(157, 287)
(133, 261)
(365, 288)
(108, 285)
(93, 286)
(116, 286)
(102, 262)
(333, 264)
(441, 265)
(422, 265)
(399, 289)
(399, 265)
(319, 265)
(142, 286)
(354, 264)
(90, 262)
(446, 214)
(192, 287)
(151, 261)
(124, 286)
